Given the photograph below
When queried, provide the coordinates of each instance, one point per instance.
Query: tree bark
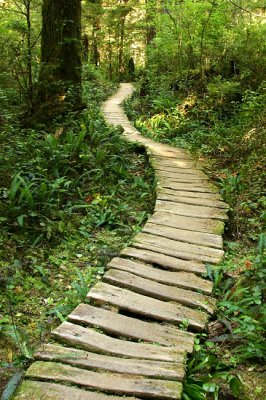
(27, 4)
(151, 7)
(61, 53)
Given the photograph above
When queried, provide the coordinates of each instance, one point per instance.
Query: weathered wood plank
(158, 290)
(184, 186)
(182, 235)
(182, 176)
(187, 223)
(190, 194)
(167, 169)
(118, 384)
(174, 252)
(188, 210)
(202, 185)
(182, 161)
(184, 280)
(34, 390)
(198, 201)
(182, 166)
(90, 339)
(178, 253)
(158, 161)
(160, 150)
(185, 179)
(167, 262)
(147, 306)
(130, 366)
(163, 169)
(121, 325)
(177, 249)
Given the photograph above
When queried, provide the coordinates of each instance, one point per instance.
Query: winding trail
(126, 341)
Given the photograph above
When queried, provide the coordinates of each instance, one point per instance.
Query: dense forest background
(66, 199)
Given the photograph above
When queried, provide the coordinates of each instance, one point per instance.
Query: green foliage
(72, 194)
(204, 90)
(212, 370)
(196, 40)
(11, 386)
(20, 338)
(20, 26)
(242, 305)
(228, 134)
(206, 374)
(60, 171)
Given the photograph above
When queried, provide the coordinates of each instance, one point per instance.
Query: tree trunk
(60, 72)
(151, 6)
(95, 56)
(29, 51)
(121, 48)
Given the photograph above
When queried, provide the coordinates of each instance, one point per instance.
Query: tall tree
(60, 72)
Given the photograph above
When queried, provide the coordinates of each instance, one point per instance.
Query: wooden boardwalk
(126, 341)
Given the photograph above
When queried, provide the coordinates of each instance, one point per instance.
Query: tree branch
(244, 9)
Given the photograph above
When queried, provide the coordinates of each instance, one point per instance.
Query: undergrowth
(235, 344)
(72, 195)
(225, 129)
(223, 126)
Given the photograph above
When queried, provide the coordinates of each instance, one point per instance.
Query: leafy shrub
(56, 178)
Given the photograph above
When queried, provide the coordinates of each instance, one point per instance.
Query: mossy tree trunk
(151, 8)
(61, 52)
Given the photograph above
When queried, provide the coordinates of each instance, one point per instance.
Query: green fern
(12, 386)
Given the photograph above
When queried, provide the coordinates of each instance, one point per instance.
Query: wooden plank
(130, 366)
(160, 150)
(182, 175)
(182, 235)
(121, 325)
(172, 169)
(164, 261)
(182, 159)
(147, 306)
(118, 384)
(178, 252)
(90, 339)
(188, 193)
(34, 390)
(188, 187)
(180, 279)
(174, 248)
(199, 184)
(198, 201)
(188, 210)
(188, 223)
(161, 164)
(167, 152)
(183, 179)
(158, 290)
(159, 161)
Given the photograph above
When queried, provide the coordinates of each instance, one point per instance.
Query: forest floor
(228, 140)
(55, 244)
(37, 242)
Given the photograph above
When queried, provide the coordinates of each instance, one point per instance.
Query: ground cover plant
(72, 195)
(228, 140)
